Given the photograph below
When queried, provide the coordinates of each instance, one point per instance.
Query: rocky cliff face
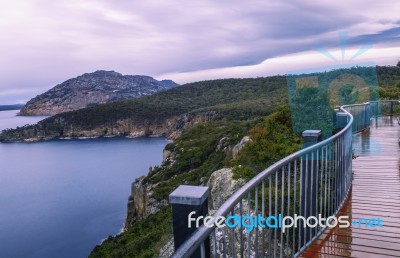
(238, 147)
(91, 89)
(57, 128)
(222, 186)
(141, 204)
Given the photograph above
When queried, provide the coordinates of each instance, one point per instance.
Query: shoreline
(88, 138)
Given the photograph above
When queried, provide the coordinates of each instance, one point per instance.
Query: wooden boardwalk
(375, 193)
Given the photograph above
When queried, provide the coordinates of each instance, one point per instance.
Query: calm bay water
(61, 198)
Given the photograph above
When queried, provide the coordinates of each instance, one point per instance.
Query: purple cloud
(46, 42)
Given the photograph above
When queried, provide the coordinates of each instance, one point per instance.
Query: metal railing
(315, 180)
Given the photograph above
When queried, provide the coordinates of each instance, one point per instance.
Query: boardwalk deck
(375, 193)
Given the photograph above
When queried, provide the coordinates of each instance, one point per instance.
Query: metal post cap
(189, 195)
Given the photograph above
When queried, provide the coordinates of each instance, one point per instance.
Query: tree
(398, 63)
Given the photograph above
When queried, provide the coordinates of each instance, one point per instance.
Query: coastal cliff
(91, 89)
(141, 202)
(58, 128)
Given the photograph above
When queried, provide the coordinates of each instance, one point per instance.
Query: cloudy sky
(43, 42)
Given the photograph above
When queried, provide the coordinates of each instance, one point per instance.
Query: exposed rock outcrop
(167, 155)
(223, 144)
(141, 204)
(222, 186)
(91, 89)
(238, 147)
(167, 250)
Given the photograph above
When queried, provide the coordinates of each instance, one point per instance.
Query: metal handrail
(337, 150)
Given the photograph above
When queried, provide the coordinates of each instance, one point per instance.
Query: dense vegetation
(272, 139)
(390, 92)
(200, 151)
(143, 239)
(389, 81)
(388, 76)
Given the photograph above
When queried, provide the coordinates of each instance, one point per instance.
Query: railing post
(377, 112)
(391, 108)
(341, 121)
(184, 200)
(309, 182)
(368, 114)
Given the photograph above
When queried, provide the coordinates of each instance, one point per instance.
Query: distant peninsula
(91, 89)
(11, 107)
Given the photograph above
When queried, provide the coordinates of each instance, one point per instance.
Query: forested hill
(168, 112)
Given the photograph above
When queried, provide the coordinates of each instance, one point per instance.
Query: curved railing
(314, 181)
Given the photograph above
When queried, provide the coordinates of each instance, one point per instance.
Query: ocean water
(61, 198)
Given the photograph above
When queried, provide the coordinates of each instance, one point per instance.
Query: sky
(45, 42)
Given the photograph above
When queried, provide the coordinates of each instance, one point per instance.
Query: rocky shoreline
(58, 129)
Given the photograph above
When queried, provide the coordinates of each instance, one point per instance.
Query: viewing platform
(375, 193)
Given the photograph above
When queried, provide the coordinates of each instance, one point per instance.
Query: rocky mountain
(91, 89)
